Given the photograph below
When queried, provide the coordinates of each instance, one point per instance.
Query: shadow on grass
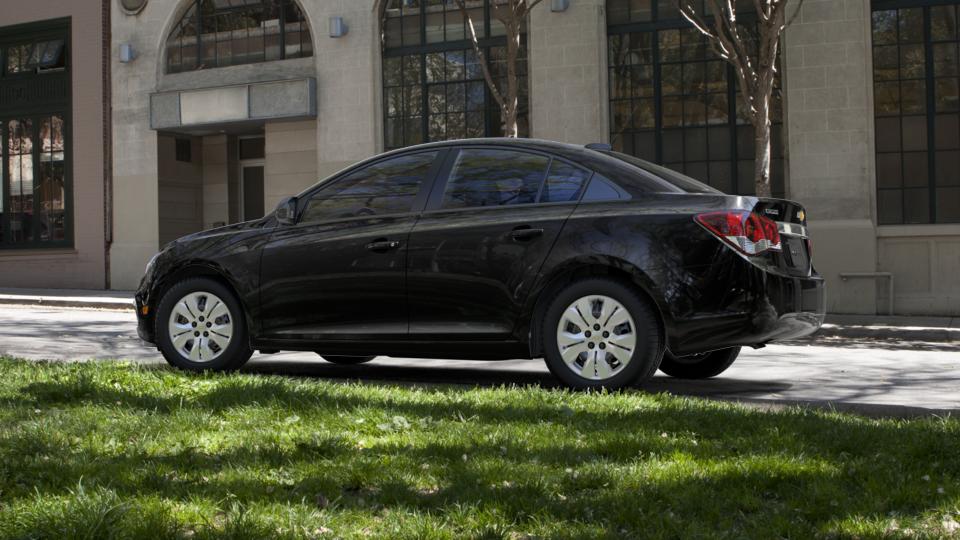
(793, 472)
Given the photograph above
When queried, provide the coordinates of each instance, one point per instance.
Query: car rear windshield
(680, 181)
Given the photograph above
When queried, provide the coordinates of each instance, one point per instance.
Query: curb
(890, 333)
(79, 303)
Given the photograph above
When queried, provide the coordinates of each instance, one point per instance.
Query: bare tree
(512, 14)
(756, 75)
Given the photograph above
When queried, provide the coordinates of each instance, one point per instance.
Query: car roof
(564, 149)
(633, 179)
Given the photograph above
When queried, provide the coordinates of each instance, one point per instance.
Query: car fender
(553, 277)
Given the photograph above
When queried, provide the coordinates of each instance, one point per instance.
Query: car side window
(386, 187)
(602, 189)
(564, 183)
(494, 177)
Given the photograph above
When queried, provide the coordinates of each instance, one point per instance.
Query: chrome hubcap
(200, 327)
(596, 337)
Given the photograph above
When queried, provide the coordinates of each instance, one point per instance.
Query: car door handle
(383, 245)
(526, 233)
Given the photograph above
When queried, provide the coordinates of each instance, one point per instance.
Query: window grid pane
(916, 86)
(214, 34)
(440, 93)
(673, 102)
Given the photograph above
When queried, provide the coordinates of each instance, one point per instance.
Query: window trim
(435, 202)
(418, 202)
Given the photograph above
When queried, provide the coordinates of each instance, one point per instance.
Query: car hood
(221, 231)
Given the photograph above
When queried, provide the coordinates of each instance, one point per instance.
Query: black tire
(236, 353)
(645, 356)
(346, 360)
(699, 366)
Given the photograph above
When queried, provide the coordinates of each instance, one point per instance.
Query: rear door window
(602, 189)
(494, 177)
(564, 183)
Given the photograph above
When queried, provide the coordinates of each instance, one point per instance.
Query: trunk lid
(795, 256)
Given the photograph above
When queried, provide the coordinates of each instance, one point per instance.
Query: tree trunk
(761, 169)
(511, 97)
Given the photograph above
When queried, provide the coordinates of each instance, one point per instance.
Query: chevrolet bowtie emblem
(801, 215)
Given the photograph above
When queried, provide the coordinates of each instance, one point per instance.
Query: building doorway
(252, 169)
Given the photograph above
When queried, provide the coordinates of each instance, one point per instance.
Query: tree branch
(794, 16)
(481, 58)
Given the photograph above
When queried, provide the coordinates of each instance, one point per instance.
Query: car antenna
(603, 147)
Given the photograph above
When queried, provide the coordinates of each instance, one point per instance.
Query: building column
(830, 143)
(349, 110)
(568, 75)
(136, 223)
(290, 160)
(216, 200)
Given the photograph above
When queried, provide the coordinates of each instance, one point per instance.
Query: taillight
(747, 232)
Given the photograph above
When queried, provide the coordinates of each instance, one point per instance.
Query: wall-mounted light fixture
(557, 6)
(127, 54)
(338, 28)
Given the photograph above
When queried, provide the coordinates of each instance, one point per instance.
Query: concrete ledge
(73, 298)
(935, 329)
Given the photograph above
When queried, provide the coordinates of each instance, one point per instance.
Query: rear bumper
(759, 307)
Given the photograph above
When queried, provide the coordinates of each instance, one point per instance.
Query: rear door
(475, 251)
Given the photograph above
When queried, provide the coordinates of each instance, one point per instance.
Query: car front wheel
(200, 326)
(600, 333)
(699, 366)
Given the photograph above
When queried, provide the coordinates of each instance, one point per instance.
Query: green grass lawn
(116, 451)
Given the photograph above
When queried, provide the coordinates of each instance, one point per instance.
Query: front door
(339, 273)
(475, 252)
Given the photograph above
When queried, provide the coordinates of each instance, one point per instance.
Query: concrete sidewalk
(879, 327)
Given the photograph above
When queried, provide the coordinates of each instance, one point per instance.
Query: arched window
(219, 33)
(433, 86)
(674, 102)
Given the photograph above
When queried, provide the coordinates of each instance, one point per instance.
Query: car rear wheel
(699, 366)
(200, 326)
(346, 360)
(600, 333)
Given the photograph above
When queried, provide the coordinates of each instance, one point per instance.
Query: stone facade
(829, 114)
(829, 136)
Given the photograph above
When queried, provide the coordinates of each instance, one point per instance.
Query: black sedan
(606, 266)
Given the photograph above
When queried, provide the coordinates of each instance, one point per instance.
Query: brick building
(54, 135)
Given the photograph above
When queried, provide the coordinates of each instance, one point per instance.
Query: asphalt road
(868, 376)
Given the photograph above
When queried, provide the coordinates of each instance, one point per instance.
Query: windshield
(681, 181)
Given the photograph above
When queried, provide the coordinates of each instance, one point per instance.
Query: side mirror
(287, 211)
